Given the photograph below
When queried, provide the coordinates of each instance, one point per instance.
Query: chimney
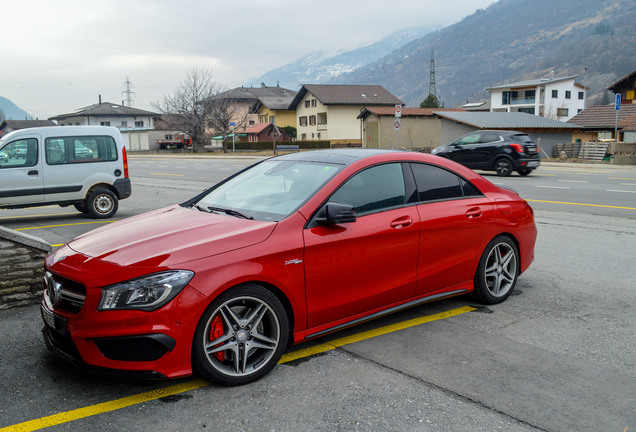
(100, 99)
(262, 85)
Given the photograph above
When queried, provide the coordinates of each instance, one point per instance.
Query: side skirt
(387, 312)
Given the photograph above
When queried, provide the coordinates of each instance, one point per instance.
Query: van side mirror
(334, 213)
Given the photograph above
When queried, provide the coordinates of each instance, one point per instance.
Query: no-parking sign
(397, 124)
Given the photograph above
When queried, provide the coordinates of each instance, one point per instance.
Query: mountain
(10, 111)
(511, 40)
(322, 66)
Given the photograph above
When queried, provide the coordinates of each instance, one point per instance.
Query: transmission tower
(128, 94)
(432, 89)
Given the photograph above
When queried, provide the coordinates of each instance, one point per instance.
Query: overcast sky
(59, 56)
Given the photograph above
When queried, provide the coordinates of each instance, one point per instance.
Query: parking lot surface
(559, 355)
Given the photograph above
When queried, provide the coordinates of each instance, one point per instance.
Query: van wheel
(102, 203)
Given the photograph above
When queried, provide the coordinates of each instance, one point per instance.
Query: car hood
(170, 236)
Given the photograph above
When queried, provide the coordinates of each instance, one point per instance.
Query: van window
(69, 150)
(20, 153)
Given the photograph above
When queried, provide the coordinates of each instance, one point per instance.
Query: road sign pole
(617, 107)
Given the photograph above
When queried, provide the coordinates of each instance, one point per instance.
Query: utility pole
(128, 94)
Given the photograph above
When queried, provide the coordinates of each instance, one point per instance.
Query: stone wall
(21, 268)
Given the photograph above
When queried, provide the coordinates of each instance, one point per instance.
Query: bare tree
(183, 108)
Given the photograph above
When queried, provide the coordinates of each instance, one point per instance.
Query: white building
(559, 98)
(108, 114)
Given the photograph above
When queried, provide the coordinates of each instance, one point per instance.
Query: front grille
(62, 293)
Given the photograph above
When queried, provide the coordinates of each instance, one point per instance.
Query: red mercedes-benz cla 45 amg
(289, 249)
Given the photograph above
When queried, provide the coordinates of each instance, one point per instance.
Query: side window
(435, 183)
(374, 189)
(469, 139)
(19, 154)
(68, 150)
(489, 137)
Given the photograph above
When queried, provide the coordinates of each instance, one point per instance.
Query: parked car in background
(4, 157)
(289, 249)
(82, 166)
(494, 150)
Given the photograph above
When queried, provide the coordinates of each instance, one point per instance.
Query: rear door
(455, 226)
(21, 177)
(74, 163)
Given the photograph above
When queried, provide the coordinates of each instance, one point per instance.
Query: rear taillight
(125, 162)
(517, 147)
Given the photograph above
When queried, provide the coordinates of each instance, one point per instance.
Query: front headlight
(146, 293)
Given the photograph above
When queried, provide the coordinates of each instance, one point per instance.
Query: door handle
(33, 173)
(474, 212)
(402, 222)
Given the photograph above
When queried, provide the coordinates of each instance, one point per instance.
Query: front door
(21, 177)
(357, 267)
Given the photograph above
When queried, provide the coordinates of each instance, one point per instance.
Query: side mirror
(334, 213)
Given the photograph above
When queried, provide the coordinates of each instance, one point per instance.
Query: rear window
(80, 149)
(522, 138)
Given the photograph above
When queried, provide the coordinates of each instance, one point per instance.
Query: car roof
(336, 156)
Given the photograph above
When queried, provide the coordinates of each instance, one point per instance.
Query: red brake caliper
(216, 331)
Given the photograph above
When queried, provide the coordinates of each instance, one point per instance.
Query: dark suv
(493, 150)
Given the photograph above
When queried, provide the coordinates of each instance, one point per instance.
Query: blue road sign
(618, 101)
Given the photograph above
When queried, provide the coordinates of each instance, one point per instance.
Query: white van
(83, 166)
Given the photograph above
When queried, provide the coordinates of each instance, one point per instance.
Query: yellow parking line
(104, 407)
(68, 416)
(581, 204)
(622, 178)
(61, 225)
(328, 346)
(165, 174)
(578, 170)
(38, 215)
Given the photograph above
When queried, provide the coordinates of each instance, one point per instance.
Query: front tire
(503, 167)
(102, 203)
(241, 336)
(498, 270)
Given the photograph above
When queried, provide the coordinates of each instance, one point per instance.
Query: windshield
(269, 191)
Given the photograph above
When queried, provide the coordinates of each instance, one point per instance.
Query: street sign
(397, 125)
(232, 124)
(618, 101)
(398, 111)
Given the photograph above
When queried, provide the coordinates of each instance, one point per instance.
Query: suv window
(20, 153)
(374, 189)
(435, 183)
(67, 150)
(468, 139)
(489, 137)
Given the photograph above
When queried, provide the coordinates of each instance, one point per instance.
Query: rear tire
(102, 203)
(497, 271)
(241, 336)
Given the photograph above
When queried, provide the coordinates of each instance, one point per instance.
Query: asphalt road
(559, 355)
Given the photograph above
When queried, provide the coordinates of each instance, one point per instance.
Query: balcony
(322, 126)
(522, 101)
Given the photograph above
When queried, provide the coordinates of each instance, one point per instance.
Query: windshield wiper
(230, 212)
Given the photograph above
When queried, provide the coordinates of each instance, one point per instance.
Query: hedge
(269, 145)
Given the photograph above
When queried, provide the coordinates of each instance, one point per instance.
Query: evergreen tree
(431, 101)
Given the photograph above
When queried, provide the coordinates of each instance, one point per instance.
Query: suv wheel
(503, 167)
